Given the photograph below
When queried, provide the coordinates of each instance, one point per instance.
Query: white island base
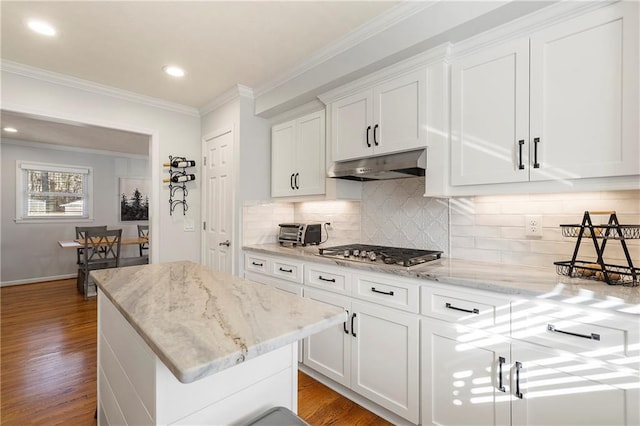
(136, 388)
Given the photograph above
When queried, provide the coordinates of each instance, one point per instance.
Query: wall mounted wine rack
(178, 178)
(600, 235)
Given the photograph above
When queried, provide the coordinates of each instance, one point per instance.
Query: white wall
(30, 251)
(173, 132)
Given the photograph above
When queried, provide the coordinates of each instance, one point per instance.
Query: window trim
(22, 166)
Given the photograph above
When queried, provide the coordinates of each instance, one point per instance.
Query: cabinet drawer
(592, 333)
(287, 270)
(256, 263)
(470, 308)
(328, 278)
(386, 291)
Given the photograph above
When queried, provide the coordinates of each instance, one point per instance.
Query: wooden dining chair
(80, 230)
(143, 232)
(101, 249)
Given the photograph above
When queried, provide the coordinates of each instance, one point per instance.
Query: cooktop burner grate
(380, 254)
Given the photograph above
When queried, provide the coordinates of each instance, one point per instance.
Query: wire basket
(629, 232)
(616, 274)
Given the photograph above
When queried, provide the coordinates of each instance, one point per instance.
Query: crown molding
(237, 91)
(351, 40)
(68, 148)
(97, 88)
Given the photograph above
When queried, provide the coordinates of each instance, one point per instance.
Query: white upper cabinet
(561, 104)
(298, 156)
(584, 96)
(389, 117)
(490, 116)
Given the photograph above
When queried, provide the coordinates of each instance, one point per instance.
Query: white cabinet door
(329, 351)
(282, 158)
(298, 156)
(465, 379)
(385, 358)
(584, 96)
(490, 116)
(399, 119)
(389, 117)
(351, 128)
(563, 390)
(309, 163)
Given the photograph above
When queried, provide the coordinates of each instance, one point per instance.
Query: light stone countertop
(199, 321)
(507, 279)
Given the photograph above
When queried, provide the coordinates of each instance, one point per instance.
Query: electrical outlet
(533, 226)
(189, 225)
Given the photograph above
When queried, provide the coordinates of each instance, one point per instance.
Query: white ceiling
(125, 44)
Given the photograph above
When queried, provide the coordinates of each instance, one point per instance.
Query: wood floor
(48, 363)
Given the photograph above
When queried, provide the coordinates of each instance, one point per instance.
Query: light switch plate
(189, 225)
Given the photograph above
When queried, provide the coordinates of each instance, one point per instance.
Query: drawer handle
(455, 308)
(388, 293)
(288, 271)
(353, 317)
(518, 368)
(501, 361)
(344, 325)
(257, 264)
(592, 336)
(331, 280)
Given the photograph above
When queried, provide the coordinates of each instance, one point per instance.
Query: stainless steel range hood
(391, 166)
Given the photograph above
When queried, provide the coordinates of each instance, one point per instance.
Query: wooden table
(79, 243)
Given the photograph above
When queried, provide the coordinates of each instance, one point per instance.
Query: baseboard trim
(357, 398)
(37, 280)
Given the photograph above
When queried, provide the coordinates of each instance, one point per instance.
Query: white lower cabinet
(555, 365)
(269, 271)
(552, 389)
(466, 376)
(375, 353)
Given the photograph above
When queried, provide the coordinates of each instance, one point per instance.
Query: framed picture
(134, 199)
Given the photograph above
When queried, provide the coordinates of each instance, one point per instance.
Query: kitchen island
(180, 343)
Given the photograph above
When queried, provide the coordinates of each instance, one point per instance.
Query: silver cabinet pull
(501, 361)
(455, 308)
(592, 336)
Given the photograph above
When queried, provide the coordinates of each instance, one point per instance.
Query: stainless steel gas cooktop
(365, 253)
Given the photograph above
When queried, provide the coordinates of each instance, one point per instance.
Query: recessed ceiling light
(10, 130)
(42, 27)
(173, 71)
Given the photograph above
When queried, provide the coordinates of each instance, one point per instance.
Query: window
(51, 191)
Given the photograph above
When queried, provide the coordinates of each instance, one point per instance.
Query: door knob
(225, 243)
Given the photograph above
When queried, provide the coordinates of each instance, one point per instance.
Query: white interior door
(218, 252)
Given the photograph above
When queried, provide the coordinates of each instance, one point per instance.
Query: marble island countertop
(506, 279)
(199, 321)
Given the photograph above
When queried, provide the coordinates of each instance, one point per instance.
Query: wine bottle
(180, 178)
(177, 163)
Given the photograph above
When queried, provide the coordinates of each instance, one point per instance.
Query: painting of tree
(134, 199)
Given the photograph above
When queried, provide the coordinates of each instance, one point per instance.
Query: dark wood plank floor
(48, 363)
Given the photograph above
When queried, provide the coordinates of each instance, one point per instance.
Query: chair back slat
(80, 231)
(102, 248)
(143, 232)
